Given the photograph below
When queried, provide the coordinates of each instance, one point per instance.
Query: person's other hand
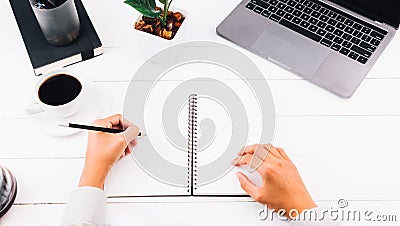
(283, 188)
(104, 149)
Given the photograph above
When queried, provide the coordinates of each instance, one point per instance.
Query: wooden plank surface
(129, 48)
(329, 177)
(291, 97)
(343, 148)
(301, 136)
(193, 213)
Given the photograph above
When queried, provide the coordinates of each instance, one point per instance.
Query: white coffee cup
(70, 107)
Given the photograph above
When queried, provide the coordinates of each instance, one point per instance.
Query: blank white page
(237, 121)
(127, 178)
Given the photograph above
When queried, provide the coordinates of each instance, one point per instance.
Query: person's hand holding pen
(104, 149)
(282, 186)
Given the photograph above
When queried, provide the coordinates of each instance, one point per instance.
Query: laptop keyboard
(324, 24)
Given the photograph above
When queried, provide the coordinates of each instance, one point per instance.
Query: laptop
(332, 43)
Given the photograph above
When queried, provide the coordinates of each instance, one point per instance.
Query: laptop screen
(387, 11)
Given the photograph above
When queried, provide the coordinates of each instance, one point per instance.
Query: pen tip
(62, 124)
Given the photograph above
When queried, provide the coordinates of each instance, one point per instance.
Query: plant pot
(153, 26)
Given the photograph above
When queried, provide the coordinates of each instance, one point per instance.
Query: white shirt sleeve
(86, 206)
(313, 217)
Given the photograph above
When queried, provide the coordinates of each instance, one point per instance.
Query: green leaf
(145, 7)
(163, 1)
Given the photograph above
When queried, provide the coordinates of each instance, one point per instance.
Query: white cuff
(85, 206)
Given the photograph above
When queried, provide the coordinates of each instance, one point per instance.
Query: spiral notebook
(200, 162)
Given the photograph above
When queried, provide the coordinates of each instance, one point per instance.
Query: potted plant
(156, 20)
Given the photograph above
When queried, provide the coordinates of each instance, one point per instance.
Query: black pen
(96, 128)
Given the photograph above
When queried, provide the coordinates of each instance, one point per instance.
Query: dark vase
(8, 190)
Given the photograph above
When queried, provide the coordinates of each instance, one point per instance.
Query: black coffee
(59, 89)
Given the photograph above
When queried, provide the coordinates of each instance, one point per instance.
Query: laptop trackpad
(291, 49)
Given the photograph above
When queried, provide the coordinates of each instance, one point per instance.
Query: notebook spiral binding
(192, 144)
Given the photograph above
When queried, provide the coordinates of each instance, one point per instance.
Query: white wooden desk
(344, 148)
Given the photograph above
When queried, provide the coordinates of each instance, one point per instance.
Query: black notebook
(45, 57)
